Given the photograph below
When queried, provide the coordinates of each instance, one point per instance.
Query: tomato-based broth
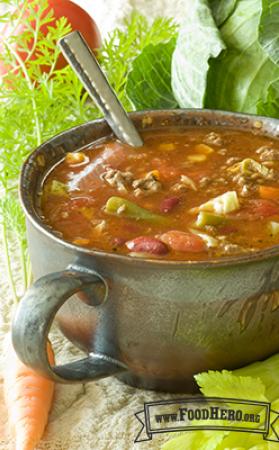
(187, 194)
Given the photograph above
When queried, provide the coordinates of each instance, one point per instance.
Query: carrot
(28, 397)
(269, 192)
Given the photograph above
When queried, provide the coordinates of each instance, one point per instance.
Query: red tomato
(183, 242)
(258, 208)
(78, 18)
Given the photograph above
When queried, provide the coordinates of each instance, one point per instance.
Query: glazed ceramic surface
(152, 323)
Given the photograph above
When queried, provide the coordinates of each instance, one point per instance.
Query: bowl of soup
(159, 262)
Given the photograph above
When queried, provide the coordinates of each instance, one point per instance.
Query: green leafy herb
(124, 44)
(35, 105)
(149, 81)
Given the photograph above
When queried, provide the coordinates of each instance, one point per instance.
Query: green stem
(8, 263)
(23, 265)
(31, 87)
(29, 272)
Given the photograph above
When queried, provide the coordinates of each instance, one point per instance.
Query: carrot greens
(36, 104)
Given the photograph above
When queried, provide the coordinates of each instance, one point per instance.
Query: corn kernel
(196, 158)
(203, 149)
(156, 174)
(167, 146)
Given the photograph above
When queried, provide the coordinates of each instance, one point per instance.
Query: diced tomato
(258, 208)
(181, 241)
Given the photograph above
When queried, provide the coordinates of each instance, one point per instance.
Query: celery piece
(223, 204)
(273, 228)
(204, 218)
(209, 240)
(125, 208)
(58, 188)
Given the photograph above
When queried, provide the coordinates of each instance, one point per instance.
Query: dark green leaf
(199, 40)
(222, 10)
(149, 81)
(270, 105)
(269, 29)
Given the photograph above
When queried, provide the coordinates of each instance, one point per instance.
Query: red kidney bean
(147, 244)
(183, 242)
(168, 204)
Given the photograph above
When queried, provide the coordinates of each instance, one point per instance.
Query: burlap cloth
(98, 415)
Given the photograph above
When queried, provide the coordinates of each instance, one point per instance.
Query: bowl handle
(33, 319)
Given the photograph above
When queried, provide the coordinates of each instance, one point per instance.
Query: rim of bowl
(224, 261)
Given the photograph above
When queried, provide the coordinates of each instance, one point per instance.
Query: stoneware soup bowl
(152, 323)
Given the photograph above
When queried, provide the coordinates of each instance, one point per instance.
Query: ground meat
(268, 154)
(204, 182)
(184, 184)
(118, 179)
(233, 160)
(247, 190)
(148, 184)
(213, 138)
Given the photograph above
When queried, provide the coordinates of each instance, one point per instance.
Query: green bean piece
(205, 218)
(125, 208)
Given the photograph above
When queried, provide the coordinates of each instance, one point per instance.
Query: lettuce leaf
(227, 56)
(199, 40)
(269, 106)
(222, 10)
(241, 76)
(269, 29)
(149, 81)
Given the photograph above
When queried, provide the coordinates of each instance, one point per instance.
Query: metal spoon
(85, 65)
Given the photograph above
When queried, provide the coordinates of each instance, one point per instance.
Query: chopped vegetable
(167, 146)
(28, 397)
(181, 241)
(258, 208)
(124, 208)
(58, 188)
(210, 241)
(269, 192)
(273, 228)
(196, 158)
(204, 218)
(257, 381)
(204, 149)
(223, 204)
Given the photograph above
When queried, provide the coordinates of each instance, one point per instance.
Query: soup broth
(187, 194)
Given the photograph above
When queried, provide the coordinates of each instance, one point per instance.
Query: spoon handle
(87, 68)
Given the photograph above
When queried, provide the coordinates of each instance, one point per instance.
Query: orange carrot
(28, 398)
(269, 192)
